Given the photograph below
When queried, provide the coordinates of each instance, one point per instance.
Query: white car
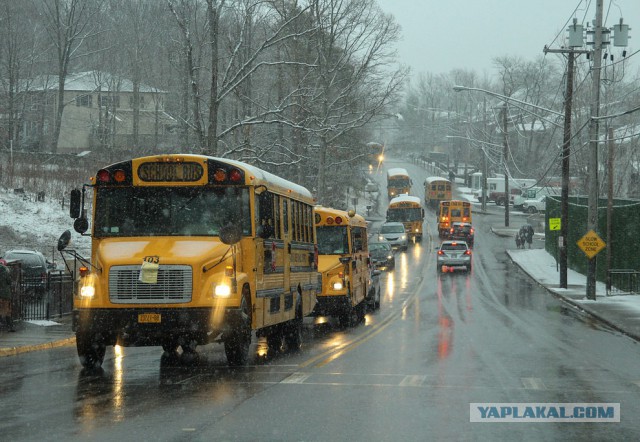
(452, 255)
(535, 205)
(395, 234)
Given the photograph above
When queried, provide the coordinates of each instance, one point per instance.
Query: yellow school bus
(188, 250)
(436, 189)
(407, 210)
(398, 182)
(343, 261)
(450, 212)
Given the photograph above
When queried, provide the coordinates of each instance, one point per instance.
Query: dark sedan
(382, 255)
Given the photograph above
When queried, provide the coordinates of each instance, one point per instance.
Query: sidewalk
(36, 335)
(622, 313)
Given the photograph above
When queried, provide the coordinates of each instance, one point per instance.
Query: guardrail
(623, 282)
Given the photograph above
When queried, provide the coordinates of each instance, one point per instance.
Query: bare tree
(354, 81)
(21, 47)
(69, 23)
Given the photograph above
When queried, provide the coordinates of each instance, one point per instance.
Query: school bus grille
(174, 285)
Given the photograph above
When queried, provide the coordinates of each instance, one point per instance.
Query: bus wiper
(205, 269)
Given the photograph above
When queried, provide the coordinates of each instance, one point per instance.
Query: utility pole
(505, 156)
(484, 158)
(566, 154)
(592, 212)
(609, 203)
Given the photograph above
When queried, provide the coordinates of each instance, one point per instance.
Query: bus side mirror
(230, 234)
(81, 224)
(75, 204)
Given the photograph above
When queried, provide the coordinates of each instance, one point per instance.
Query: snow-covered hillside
(29, 224)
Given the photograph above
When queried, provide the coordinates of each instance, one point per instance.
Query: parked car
(453, 255)
(34, 270)
(462, 231)
(395, 234)
(382, 254)
(535, 205)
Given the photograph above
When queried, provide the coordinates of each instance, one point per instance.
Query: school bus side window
(276, 217)
(285, 216)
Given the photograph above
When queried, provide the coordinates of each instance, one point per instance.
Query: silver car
(394, 234)
(453, 255)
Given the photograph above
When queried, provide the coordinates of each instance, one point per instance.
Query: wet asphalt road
(408, 373)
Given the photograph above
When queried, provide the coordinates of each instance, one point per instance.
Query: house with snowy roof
(100, 113)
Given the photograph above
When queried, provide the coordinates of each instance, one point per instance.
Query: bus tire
(361, 311)
(293, 335)
(91, 350)
(293, 330)
(236, 344)
(348, 319)
(275, 341)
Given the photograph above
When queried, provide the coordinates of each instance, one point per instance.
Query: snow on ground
(29, 224)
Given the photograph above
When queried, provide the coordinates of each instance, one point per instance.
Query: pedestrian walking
(518, 240)
(5, 295)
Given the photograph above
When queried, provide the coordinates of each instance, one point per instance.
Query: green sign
(554, 223)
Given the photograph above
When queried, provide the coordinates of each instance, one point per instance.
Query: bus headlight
(87, 291)
(403, 237)
(337, 285)
(222, 291)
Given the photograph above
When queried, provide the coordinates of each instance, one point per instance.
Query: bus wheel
(170, 347)
(236, 344)
(349, 318)
(275, 342)
(293, 330)
(361, 311)
(90, 350)
(293, 335)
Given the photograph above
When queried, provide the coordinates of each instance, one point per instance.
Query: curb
(13, 351)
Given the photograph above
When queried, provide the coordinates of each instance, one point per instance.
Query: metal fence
(33, 299)
(623, 282)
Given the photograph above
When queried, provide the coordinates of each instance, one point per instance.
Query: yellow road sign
(591, 244)
(554, 223)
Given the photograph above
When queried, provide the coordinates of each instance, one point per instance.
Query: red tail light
(440, 252)
(468, 252)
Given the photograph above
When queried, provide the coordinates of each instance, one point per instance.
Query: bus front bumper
(148, 326)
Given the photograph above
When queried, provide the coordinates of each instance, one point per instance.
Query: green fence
(625, 234)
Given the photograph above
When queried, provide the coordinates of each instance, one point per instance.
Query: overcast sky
(441, 35)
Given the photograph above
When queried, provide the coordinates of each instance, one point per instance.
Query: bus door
(359, 266)
(267, 239)
(286, 260)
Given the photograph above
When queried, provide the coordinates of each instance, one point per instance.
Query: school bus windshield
(170, 211)
(405, 214)
(332, 240)
(399, 182)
